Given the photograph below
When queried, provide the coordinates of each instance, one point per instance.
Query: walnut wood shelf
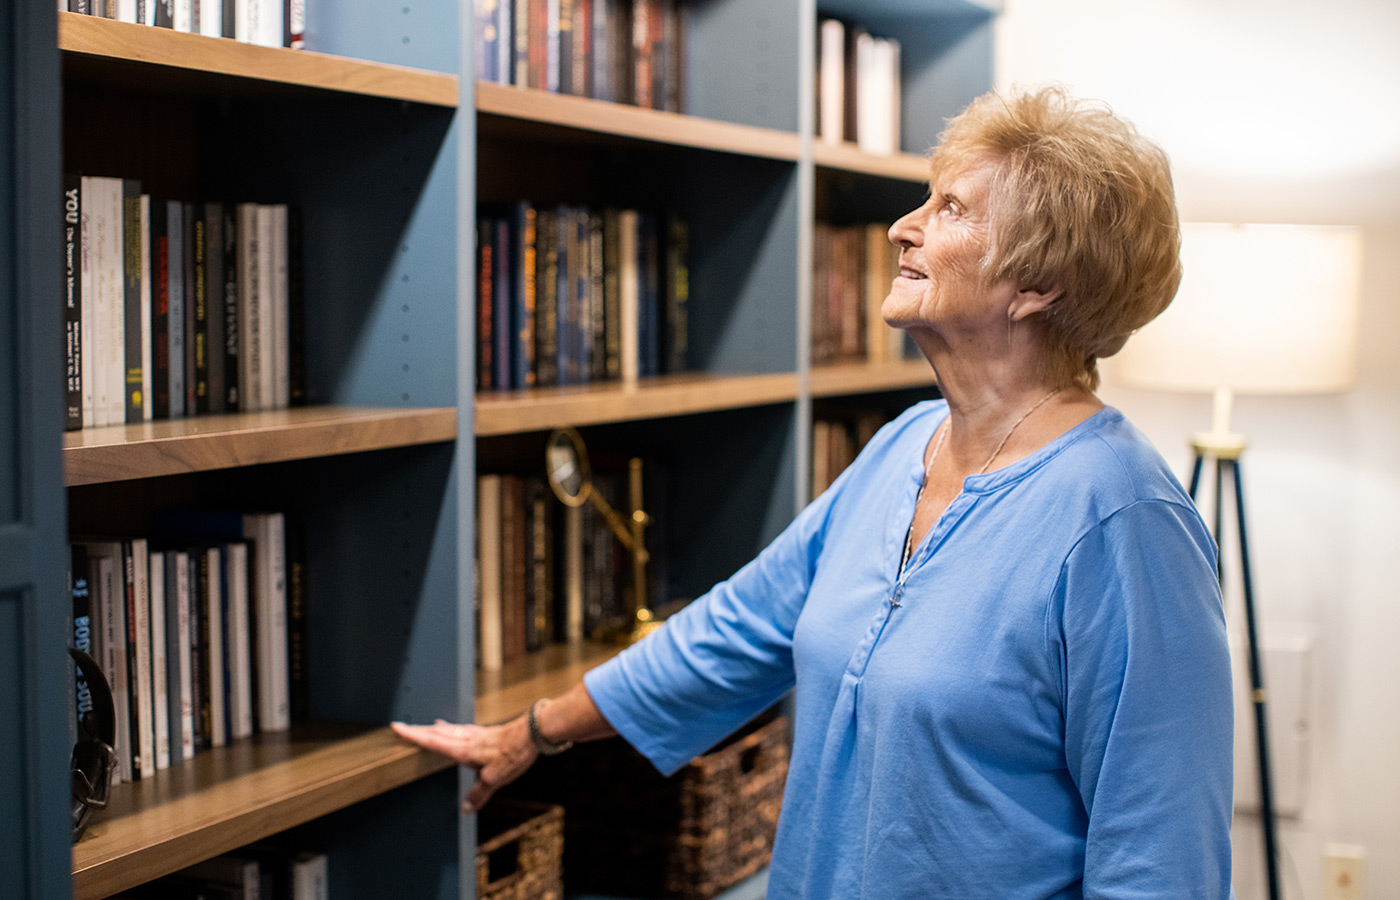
(866, 378)
(538, 409)
(515, 111)
(205, 443)
(88, 39)
(847, 157)
(231, 796)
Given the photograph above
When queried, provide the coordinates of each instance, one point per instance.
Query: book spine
(279, 318)
(485, 301)
(544, 279)
(524, 297)
(298, 685)
(238, 642)
(232, 332)
(267, 532)
(175, 316)
(488, 496)
(598, 355)
(505, 285)
(160, 312)
(677, 294)
(137, 665)
(160, 664)
(147, 314)
(133, 375)
(612, 293)
(298, 391)
(188, 246)
(249, 311)
(87, 296)
(198, 587)
(216, 394)
(81, 593)
(110, 397)
(198, 242)
(72, 303)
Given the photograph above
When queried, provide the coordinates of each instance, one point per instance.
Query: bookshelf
(388, 153)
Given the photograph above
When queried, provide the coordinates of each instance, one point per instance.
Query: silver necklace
(928, 473)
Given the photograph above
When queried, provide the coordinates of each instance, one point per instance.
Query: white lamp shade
(1262, 309)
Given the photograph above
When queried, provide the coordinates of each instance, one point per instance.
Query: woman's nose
(908, 229)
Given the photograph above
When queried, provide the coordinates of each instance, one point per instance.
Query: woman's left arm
(1148, 704)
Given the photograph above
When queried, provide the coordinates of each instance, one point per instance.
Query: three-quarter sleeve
(1139, 632)
(722, 659)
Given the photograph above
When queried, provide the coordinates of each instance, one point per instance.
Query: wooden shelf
(204, 443)
(513, 111)
(87, 38)
(228, 797)
(863, 378)
(509, 692)
(848, 157)
(513, 412)
(232, 796)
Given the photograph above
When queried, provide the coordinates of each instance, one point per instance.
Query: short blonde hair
(1080, 202)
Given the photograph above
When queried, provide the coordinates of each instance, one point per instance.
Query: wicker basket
(521, 851)
(631, 832)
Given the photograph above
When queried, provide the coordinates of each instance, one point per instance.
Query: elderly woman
(1002, 621)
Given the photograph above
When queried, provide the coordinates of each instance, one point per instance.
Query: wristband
(542, 743)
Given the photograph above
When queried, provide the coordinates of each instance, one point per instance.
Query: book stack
(858, 88)
(267, 23)
(547, 573)
(570, 296)
(200, 633)
(173, 308)
(622, 51)
(836, 439)
(853, 267)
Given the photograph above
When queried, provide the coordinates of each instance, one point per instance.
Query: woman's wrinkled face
(943, 245)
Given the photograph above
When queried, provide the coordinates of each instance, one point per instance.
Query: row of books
(200, 634)
(836, 439)
(853, 268)
(571, 295)
(548, 573)
(173, 308)
(622, 51)
(268, 23)
(258, 872)
(858, 88)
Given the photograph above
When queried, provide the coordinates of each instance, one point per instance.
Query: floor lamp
(1262, 309)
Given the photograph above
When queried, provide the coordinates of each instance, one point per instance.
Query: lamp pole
(1227, 449)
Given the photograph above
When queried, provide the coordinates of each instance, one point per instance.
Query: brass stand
(1226, 449)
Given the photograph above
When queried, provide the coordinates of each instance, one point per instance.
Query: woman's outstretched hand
(499, 753)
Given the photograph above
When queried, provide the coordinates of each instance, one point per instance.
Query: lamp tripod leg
(1257, 695)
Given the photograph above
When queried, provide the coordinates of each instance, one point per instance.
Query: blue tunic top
(1041, 710)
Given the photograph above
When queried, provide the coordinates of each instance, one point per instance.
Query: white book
(160, 683)
(574, 575)
(870, 96)
(239, 645)
(211, 17)
(264, 22)
(831, 81)
(489, 571)
(279, 309)
(214, 616)
(310, 877)
(148, 363)
(140, 626)
(893, 84)
(629, 294)
(109, 309)
(183, 15)
(267, 534)
(182, 664)
(249, 311)
(241, 22)
(126, 11)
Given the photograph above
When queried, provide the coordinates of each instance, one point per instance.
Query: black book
(191, 388)
(232, 346)
(82, 625)
(213, 278)
(199, 280)
(72, 302)
(298, 391)
(158, 240)
(133, 365)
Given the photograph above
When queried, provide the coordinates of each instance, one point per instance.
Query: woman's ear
(1030, 301)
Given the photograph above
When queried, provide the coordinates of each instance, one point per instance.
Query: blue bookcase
(388, 151)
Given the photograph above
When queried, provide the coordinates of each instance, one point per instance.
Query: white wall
(1282, 111)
